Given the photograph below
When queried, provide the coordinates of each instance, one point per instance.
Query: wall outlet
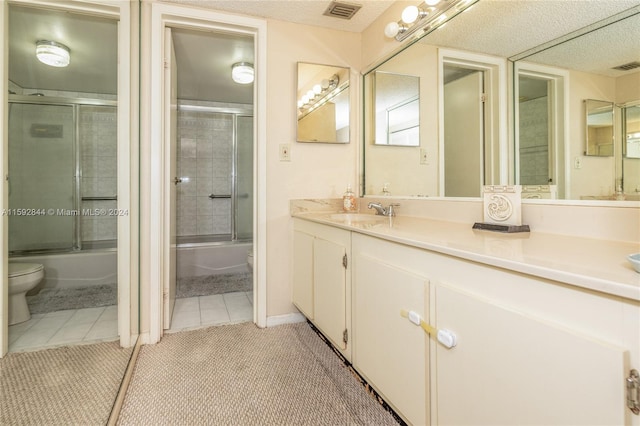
(423, 156)
(285, 152)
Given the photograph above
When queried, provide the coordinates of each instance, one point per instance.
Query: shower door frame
(235, 112)
(75, 103)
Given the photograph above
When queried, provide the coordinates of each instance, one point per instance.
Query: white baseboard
(285, 319)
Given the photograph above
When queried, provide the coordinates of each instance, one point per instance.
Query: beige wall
(315, 170)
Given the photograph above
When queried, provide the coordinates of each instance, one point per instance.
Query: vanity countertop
(598, 265)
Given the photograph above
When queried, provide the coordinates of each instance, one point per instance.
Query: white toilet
(22, 278)
(250, 259)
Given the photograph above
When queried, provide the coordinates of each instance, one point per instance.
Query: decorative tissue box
(502, 209)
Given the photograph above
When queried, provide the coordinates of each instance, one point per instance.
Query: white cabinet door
(388, 350)
(509, 368)
(303, 273)
(329, 290)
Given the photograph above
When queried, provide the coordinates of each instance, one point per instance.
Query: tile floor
(73, 326)
(216, 309)
(92, 325)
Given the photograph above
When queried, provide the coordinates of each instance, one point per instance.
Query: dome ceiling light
(53, 53)
(242, 72)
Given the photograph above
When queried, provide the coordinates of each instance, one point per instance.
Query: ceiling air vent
(342, 10)
(627, 67)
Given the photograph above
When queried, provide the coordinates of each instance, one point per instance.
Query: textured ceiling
(508, 28)
(308, 12)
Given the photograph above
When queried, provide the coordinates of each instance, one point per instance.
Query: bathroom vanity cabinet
(322, 280)
(527, 349)
(389, 351)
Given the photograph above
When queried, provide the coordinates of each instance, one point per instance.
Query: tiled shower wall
(98, 147)
(205, 148)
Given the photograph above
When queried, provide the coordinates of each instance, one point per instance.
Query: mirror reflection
(632, 131)
(62, 137)
(322, 103)
(555, 70)
(397, 106)
(599, 133)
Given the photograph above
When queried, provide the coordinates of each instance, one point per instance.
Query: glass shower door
(244, 173)
(42, 177)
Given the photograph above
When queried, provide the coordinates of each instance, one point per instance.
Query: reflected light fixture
(320, 94)
(242, 72)
(427, 16)
(52, 53)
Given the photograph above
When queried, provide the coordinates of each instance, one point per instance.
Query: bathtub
(211, 258)
(72, 270)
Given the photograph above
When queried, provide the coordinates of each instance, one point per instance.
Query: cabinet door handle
(446, 337)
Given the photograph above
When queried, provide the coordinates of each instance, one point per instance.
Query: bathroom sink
(357, 218)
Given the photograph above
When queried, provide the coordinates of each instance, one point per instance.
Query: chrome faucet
(389, 211)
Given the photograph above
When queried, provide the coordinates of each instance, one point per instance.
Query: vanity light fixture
(242, 72)
(427, 17)
(319, 94)
(52, 53)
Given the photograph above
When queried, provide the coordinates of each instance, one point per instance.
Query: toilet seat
(20, 269)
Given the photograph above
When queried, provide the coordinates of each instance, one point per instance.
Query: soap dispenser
(349, 200)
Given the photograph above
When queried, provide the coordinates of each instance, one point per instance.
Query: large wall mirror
(70, 129)
(555, 69)
(322, 103)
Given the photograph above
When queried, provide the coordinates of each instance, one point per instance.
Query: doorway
(473, 123)
(189, 26)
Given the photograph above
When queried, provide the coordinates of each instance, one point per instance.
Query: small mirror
(397, 109)
(632, 131)
(322, 103)
(599, 131)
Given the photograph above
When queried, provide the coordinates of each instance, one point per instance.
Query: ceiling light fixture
(242, 72)
(52, 53)
(427, 16)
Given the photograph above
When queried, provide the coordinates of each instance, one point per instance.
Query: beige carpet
(243, 375)
(73, 385)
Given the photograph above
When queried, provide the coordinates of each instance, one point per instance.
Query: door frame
(154, 177)
(125, 12)
(559, 148)
(496, 112)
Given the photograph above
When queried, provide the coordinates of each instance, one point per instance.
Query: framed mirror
(397, 109)
(322, 103)
(599, 135)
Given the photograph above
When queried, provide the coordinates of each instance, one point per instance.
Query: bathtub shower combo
(214, 198)
(63, 201)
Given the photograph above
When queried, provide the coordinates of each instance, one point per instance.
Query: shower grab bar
(114, 198)
(212, 196)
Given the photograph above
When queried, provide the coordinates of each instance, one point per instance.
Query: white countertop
(593, 264)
